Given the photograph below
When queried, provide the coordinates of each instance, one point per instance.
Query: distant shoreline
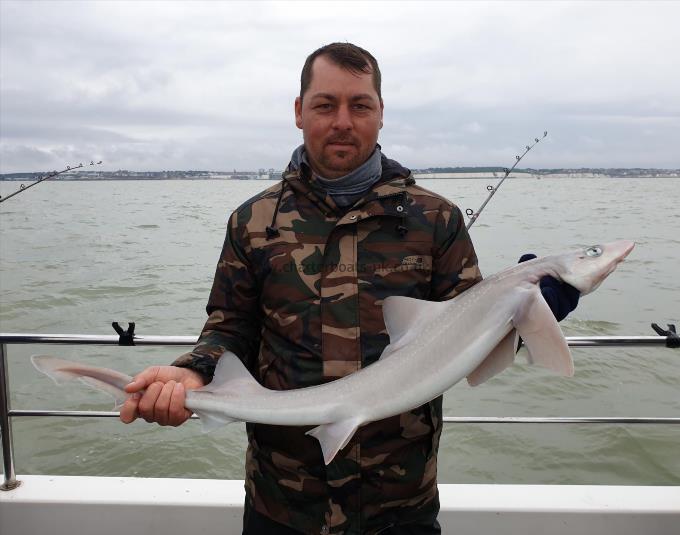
(417, 177)
(482, 173)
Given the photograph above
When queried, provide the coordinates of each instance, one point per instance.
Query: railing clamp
(126, 338)
(672, 338)
(10, 485)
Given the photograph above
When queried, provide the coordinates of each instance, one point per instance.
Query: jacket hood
(393, 180)
(392, 169)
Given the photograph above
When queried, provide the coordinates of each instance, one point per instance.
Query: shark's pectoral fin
(333, 437)
(502, 356)
(542, 335)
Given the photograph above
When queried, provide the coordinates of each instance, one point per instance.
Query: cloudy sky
(180, 85)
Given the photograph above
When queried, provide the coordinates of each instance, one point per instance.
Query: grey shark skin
(436, 343)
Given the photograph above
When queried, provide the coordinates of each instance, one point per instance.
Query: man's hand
(561, 297)
(158, 395)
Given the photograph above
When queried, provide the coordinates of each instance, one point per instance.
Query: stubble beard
(339, 163)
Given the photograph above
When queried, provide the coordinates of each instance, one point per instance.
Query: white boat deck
(64, 505)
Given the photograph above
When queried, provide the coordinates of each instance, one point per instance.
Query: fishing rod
(46, 177)
(493, 189)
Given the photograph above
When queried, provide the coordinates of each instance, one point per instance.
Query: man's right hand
(158, 395)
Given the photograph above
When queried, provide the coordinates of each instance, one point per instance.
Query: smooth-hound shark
(433, 345)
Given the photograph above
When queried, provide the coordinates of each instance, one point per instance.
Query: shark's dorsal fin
(232, 376)
(403, 316)
(542, 335)
(502, 356)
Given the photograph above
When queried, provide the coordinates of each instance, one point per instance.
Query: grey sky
(155, 85)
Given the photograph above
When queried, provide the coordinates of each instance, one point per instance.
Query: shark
(433, 346)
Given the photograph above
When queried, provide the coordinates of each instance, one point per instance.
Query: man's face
(340, 117)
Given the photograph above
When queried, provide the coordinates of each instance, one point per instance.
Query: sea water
(75, 256)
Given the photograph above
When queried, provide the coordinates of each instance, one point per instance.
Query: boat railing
(6, 413)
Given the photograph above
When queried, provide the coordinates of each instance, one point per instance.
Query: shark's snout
(620, 250)
(625, 247)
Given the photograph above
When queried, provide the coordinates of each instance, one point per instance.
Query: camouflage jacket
(297, 296)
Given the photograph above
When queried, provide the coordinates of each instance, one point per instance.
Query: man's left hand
(561, 297)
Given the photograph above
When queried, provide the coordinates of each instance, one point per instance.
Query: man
(297, 296)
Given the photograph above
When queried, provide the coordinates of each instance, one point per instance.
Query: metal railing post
(10, 482)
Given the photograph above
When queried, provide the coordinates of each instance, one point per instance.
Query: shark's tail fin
(104, 379)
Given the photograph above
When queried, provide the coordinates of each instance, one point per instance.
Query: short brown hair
(346, 55)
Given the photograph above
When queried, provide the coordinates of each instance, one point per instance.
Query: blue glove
(561, 297)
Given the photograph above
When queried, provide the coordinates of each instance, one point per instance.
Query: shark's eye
(595, 250)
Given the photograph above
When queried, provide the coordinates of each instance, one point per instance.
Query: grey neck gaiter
(348, 189)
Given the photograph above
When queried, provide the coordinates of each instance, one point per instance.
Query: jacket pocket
(396, 268)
